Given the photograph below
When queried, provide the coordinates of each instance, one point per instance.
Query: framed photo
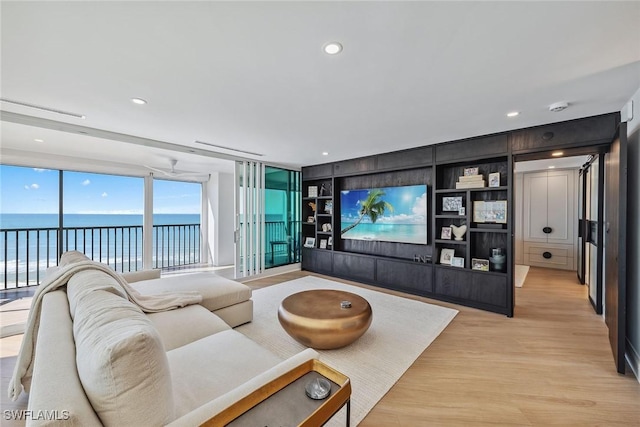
(451, 204)
(311, 219)
(494, 179)
(462, 211)
(445, 233)
(328, 207)
(312, 191)
(457, 261)
(446, 255)
(310, 242)
(480, 264)
(471, 171)
(323, 244)
(490, 211)
(330, 242)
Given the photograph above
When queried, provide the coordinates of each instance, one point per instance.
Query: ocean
(403, 233)
(30, 242)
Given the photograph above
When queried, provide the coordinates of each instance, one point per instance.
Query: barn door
(615, 244)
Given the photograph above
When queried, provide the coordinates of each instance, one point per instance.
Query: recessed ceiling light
(552, 167)
(325, 153)
(513, 114)
(138, 101)
(332, 48)
(557, 153)
(39, 140)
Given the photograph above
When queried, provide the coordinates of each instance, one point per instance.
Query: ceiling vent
(40, 107)
(558, 106)
(229, 148)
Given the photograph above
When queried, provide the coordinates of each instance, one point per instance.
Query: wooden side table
(283, 401)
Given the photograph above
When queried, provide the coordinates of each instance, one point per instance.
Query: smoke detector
(558, 106)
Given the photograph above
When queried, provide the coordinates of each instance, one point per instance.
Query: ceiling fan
(172, 173)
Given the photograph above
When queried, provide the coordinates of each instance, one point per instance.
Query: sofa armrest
(137, 276)
(200, 415)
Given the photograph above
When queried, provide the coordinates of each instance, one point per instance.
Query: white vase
(458, 231)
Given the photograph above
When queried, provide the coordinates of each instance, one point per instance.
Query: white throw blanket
(71, 263)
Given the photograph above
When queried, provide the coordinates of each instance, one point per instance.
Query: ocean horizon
(30, 243)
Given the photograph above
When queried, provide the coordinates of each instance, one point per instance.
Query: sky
(409, 204)
(33, 190)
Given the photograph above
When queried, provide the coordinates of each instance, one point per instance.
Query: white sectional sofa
(100, 360)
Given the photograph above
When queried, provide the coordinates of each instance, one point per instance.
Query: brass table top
(317, 319)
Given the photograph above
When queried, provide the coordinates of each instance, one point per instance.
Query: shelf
(501, 188)
(451, 242)
(324, 197)
(488, 230)
(451, 190)
(329, 215)
(452, 216)
(308, 223)
(467, 269)
(325, 233)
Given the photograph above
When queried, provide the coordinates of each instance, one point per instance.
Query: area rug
(521, 275)
(400, 331)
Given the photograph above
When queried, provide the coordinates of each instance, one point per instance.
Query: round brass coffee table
(320, 319)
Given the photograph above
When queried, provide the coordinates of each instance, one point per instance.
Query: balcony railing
(28, 252)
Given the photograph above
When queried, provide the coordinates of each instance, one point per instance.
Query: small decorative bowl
(318, 388)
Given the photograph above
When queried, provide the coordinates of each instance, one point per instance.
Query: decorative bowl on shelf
(458, 232)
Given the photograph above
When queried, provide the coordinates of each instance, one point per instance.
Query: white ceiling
(253, 76)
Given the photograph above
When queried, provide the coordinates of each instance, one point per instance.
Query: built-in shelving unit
(317, 214)
(417, 268)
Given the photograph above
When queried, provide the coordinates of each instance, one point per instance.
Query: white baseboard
(633, 359)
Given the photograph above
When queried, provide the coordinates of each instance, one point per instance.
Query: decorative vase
(458, 231)
(497, 260)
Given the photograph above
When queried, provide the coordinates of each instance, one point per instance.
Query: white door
(535, 207)
(560, 203)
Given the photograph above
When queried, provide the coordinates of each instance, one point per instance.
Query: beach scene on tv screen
(388, 214)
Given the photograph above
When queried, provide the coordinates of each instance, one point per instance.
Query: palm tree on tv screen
(373, 207)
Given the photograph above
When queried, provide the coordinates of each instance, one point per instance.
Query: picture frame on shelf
(451, 204)
(323, 243)
(312, 191)
(471, 171)
(445, 233)
(330, 241)
(328, 207)
(446, 255)
(311, 219)
(462, 211)
(457, 261)
(494, 179)
(490, 211)
(310, 242)
(479, 264)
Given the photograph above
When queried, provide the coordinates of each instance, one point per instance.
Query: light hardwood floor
(550, 364)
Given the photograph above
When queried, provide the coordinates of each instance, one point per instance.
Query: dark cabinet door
(354, 267)
(318, 260)
(404, 275)
(481, 287)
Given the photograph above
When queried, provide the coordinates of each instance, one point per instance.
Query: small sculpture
(458, 232)
(312, 206)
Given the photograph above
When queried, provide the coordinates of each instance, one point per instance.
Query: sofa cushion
(217, 292)
(184, 325)
(206, 369)
(87, 281)
(121, 361)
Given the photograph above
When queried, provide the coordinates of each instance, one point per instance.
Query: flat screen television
(387, 214)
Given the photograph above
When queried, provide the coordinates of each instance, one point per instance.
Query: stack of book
(471, 181)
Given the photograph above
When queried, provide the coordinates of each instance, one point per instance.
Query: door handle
(547, 255)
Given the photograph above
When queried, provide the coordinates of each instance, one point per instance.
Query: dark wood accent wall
(415, 268)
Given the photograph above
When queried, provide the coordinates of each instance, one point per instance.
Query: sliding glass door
(267, 228)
